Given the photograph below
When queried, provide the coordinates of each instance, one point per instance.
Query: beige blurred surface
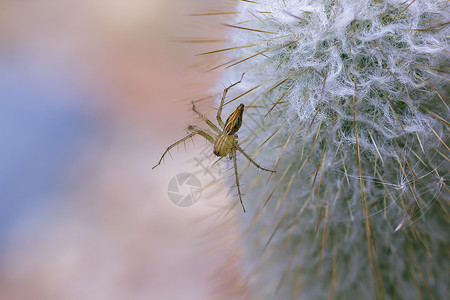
(116, 234)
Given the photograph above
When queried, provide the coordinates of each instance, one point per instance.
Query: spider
(224, 139)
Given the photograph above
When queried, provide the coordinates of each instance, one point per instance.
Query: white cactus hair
(349, 100)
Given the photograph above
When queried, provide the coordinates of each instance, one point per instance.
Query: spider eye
(234, 121)
(216, 152)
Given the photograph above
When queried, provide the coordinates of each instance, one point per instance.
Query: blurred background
(91, 94)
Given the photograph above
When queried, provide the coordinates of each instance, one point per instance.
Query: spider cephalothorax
(224, 138)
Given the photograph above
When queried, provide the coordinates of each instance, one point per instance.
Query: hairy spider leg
(251, 160)
(225, 91)
(211, 124)
(237, 178)
(199, 129)
(201, 132)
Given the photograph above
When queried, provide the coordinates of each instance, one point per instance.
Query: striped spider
(224, 139)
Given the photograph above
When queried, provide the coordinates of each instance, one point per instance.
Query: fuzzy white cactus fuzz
(348, 100)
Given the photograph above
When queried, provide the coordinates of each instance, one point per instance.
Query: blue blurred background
(91, 92)
(42, 129)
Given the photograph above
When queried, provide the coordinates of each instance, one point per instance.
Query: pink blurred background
(91, 93)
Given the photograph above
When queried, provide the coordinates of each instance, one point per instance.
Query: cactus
(348, 100)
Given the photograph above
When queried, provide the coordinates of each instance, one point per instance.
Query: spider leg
(211, 124)
(217, 160)
(251, 160)
(210, 136)
(203, 133)
(237, 178)
(225, 91)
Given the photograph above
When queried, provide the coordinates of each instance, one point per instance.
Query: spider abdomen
(224, 144)
(234, 121)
